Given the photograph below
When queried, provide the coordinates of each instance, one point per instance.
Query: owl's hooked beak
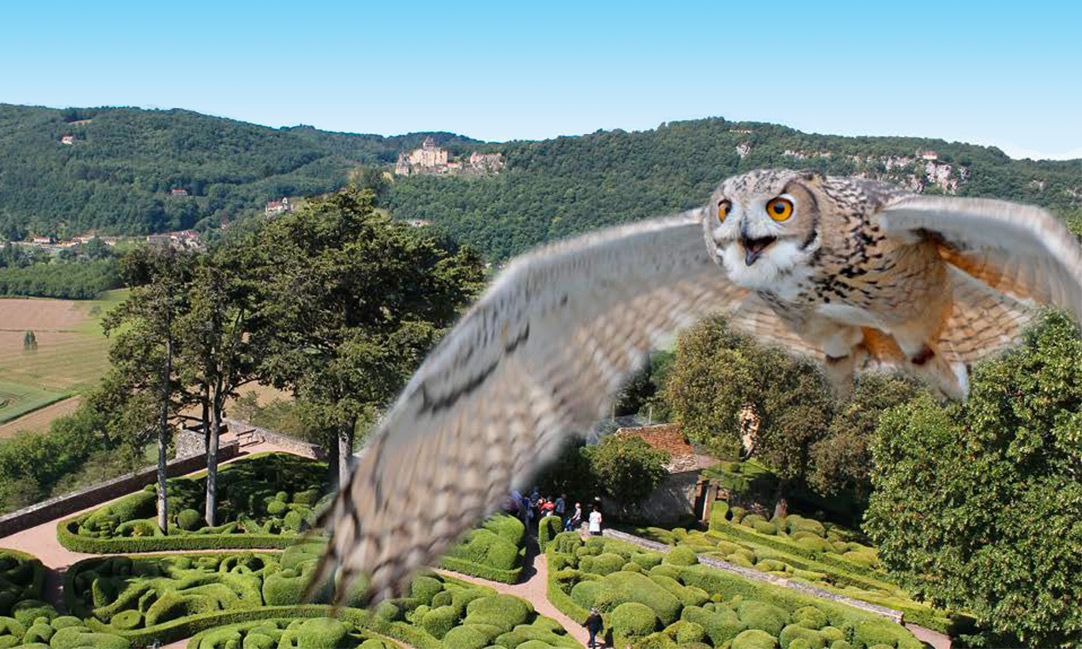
(754, 247)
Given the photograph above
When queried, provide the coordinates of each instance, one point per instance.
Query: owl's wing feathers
(1021, 251)
(538, 357)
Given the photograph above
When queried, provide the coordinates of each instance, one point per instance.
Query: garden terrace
(265, 501)
(169, 597)
(669, 601)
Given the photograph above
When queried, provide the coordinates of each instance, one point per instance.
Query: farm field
(71, 356)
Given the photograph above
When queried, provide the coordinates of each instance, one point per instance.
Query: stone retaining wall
(291, 444)
(68, 504)
(755, 575)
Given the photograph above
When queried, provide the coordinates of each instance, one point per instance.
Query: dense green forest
(560, 187)
(117, 175)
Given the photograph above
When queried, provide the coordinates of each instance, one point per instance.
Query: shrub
(585, 593)
(794, 633)
(487, 554)
(501, 611)
(318, 633)
(424, 588)
(754, 639)
(631, 622)
(603, 564)
(690, 632)
(282, 588)
(470, 636)
(622, 587)
(719, 511)
(765, 527)
(28, 611)
(761, 615)
(189, 519)
(681, 556)
(439, 621)
(567, 542)
(547, 528)
(721, 626)
(647, 560)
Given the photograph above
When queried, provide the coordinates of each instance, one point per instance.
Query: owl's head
(763, 226)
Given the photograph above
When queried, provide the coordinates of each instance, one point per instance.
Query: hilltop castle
(433, 159)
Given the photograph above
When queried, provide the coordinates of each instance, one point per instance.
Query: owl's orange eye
(723, 210)
(780, 209)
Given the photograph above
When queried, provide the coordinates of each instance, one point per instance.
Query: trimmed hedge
(547, 529)
(167, 597)
(698, 604)
(314, 633)
(631, 622)
(22, 577)
(494, 552)
(266, 501)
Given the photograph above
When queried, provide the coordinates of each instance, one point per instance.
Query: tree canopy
(978, 506)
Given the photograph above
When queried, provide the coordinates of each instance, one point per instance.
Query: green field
(71, 357)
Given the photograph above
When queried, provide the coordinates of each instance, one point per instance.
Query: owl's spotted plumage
(854, 272)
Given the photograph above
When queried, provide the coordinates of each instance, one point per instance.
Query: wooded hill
(118, 174)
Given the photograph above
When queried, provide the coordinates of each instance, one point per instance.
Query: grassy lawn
(72, 353)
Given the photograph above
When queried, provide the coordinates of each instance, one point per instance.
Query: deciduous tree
(978, 506)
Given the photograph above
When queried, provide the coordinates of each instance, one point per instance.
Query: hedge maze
(656, 601)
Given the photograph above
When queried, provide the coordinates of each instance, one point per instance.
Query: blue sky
(985, 72)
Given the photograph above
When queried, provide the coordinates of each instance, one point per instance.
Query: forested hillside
(569, 185)
(117, 173)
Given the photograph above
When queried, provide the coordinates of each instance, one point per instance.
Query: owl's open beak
(755, 247)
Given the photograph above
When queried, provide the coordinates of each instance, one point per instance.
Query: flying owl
(853, 272)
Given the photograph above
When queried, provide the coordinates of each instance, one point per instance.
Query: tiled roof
(671, 438)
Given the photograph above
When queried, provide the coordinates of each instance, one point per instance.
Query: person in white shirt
(595, 522)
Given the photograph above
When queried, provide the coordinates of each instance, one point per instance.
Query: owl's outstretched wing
(538, 357)
(1021, 252)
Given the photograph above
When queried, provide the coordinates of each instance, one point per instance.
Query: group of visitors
(533, 507)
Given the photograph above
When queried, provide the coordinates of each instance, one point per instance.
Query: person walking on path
(575, 520)
(595, 523)
(561, 507)
(593, 625)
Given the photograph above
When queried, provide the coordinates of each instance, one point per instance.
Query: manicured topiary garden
(657, 601)
(265, 501)
(254, 599)
(28, 622)
(801, 549)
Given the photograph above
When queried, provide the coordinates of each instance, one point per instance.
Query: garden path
(533, 588)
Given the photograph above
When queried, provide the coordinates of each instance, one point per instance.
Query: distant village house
(67, 139)
(278, 207)
(182, 239)
(178, 191)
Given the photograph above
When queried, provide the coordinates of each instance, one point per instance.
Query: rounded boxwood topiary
(765, 527)
(631, 622)
(720, 625)
(276, 507)
(810, 617)
(28, 611)
(760, 615)
(470, 636)
(621, 587)
(647, 559)
(602, 564)
(689, 632)
(438, 621)
(424, 588)
(794, 633)
(504, 612)
(585, 593)
(681, 556)
(754, 639)
(189, 519)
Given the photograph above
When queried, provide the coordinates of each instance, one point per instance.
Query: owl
(855, 273)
